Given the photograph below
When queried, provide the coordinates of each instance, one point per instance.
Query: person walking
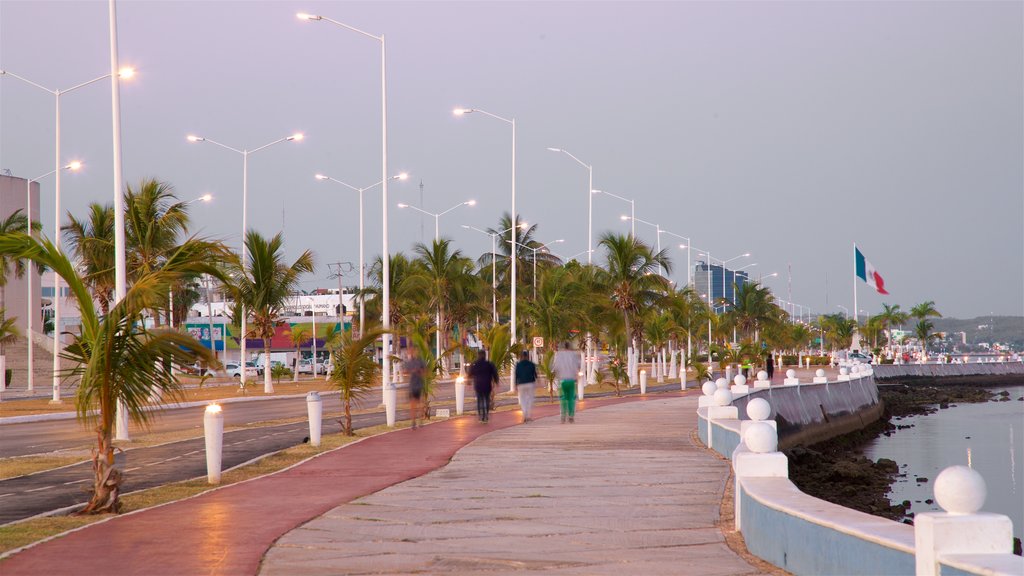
(414, 367)
(526, 385)
(484, 376)
(769, 366)
(567, 369)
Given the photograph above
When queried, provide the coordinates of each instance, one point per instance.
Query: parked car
(863, 358)
(234, 370)
(306, 366)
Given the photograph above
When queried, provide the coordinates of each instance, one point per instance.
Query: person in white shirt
(567, 369)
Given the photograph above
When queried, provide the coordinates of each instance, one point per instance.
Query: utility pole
(339, 269)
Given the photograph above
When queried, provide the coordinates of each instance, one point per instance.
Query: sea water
(987, 436)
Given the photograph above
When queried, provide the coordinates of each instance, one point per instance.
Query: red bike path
(227, 531)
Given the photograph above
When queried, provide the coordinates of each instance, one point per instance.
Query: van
(281, 357)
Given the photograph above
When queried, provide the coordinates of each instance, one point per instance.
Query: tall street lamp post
(362, 266)
(494, 269)
(30, 317)
(386, 258)
(632, 209)
(245, 209)
(591, 376)
(437, 236)
(543, 246)
(123, 73)
(514, 222)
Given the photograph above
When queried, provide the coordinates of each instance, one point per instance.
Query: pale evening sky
(791, 130)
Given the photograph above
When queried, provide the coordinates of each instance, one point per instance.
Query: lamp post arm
(29, 82)
(460, 204)
(345, 184)
(352, 28)
(431, 214)
(680, 236)
(278, 141)
(486, 113)
(83, 84)
(225, 146)
(581, 162)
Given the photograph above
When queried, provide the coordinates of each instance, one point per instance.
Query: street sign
(538, 341)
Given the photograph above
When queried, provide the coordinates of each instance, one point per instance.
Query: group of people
(485, 377)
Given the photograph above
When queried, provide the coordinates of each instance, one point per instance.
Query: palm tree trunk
(106, 478)
(298, 356)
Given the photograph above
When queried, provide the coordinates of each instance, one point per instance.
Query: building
(722, 281)
(14, 193)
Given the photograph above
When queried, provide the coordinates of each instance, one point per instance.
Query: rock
(887, 465)
(929, 501)
(922, 479)
(906, 504)
(967, 437)
(1004, 393)
(943, 405)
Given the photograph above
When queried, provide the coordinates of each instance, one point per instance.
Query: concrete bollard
(844, 374)
(708, 397)
(722, 409)
(390, 401)
(762, 380)
(213, 428)
(758, 455)
(791, 379)
(740, 385)
(643, 382)
(121, 423)
(315, 410)
(721, 383)
(808, 361)
(460, 395)
(728, 372)
(819, 377)
(580, 385)
(961, 529)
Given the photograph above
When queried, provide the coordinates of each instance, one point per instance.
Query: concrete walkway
(621, 491)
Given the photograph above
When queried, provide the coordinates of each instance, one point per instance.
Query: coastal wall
(810, 413)
(806, 535)
(997, 373)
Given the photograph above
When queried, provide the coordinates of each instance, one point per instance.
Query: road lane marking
(130, 469)
(8, 494)
(173, 459)
(192, 452)
(38, 489)
(76, 482)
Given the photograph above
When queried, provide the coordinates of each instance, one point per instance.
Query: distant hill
(988, 329)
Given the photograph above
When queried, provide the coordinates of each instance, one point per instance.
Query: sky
(789, 130)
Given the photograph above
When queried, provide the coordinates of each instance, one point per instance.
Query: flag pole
(855, 323)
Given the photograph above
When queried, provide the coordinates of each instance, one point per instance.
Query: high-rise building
(723, 282)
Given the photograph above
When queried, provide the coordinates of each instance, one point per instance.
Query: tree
(448, 273)
(631, 278)
(754, 308)
(355, 371)
(923, 331)
(115, 357)
(925, 310)
(91, 240)
(15, 223)
(263, 287)
(298, 337)
(430, 372)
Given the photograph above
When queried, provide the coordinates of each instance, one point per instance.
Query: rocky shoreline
(837, 470)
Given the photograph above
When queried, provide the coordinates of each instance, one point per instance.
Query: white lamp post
(845, 309)
(30, 317)
(632, 209)
(591, 376)
(543, 246)
(386, 258)
(494, 260)
(362, 266)
(437, 236)
(124, 73)
(268, 388)
(657, 229)
(514, 222)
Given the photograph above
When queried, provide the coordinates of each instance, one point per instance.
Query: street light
(170, 291)
(590, 250)
(657, 229)
(386, 259)
(494, 269)
(72, 166)
(437, 237)
(514, 222)
(632, 208)
(845, 309)
(298, 136)
(123, 73)
(541, 247)
(362, 267)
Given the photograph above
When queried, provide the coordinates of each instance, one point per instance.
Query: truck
(282, 357)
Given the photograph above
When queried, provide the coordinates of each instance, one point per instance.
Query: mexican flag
(867, 272)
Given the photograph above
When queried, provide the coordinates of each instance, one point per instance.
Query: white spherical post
(722, 384)
(960, 490)
(315, 409)
(213, 426)
(643, 381)
(723, 397)
(709, 388)
(460, 395)
(820, 373)
(761, 438)
(739, 380)
(792, 373)
(759, 409)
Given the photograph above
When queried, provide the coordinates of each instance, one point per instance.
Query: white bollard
(708, 397)
(819, 377)
(213, 426)
(315, 409)
(728, 372)
(844, 374)
(739, 385)
(390, 400)
(962, 529)
(460, 395)
(580, 384)
(643, 381)
(721, 409)
(762, 380)
(791, 379)
(121, 423)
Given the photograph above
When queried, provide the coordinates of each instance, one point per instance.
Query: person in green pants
(567, 369)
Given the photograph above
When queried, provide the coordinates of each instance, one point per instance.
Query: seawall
(994, 373)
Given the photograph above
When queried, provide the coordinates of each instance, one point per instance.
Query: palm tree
(448, 273)
(923, 331)
(91, 241)
(925, 310)
(406, 287)
(263, 287)
(754, 308)
(355, 370)
(15, 223)
(8, 335)
(558, 306)
(631, 278)
(116, 358)
(838, 330)
(430, 372)
(298, 337)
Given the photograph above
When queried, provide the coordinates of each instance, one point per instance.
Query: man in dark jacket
(484, 376)
(526, 385)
